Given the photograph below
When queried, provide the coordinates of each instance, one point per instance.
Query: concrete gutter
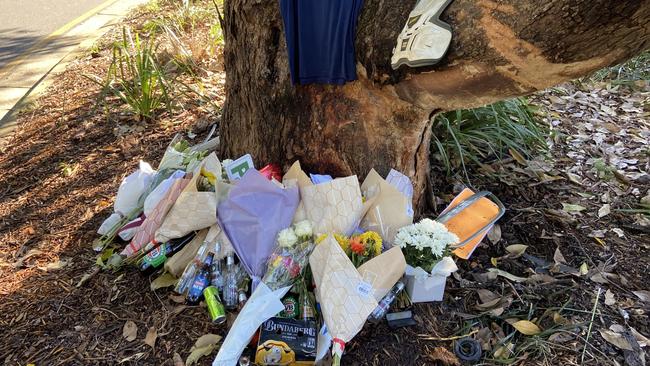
(28, 74)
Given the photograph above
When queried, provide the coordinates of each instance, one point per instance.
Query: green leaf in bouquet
(103, 257)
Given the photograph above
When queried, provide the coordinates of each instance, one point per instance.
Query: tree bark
(500, 49)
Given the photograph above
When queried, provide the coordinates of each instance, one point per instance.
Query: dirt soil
(61, 170)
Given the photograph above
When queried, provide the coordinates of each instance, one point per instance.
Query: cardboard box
(287, 342)
(426, 289)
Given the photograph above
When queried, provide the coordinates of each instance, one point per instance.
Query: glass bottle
(201, 281)
(307, 312)
(217, 275)
(230, 288)
(383, 306)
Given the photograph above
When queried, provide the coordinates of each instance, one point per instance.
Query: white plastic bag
(128, 195)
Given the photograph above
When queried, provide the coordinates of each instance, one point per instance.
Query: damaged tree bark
(500, 49)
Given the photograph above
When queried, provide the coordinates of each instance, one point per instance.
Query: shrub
(474, 136)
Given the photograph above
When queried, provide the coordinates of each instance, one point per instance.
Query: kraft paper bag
(299, 178)
(384, 271)
(193, 210)
(390, 211)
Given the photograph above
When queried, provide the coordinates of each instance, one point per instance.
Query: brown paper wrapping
(347, 294)
(384, 271)
(193, 210)
(296, 174)
(389, 210)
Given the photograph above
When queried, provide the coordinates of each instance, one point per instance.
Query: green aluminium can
(215, 307)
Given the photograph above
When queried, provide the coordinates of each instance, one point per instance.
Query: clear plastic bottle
(230, 289)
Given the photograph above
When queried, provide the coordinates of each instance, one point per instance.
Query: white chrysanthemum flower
(427, 226)
(304, 229)
(287, 238)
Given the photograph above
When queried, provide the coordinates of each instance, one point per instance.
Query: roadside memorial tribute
(304, 261)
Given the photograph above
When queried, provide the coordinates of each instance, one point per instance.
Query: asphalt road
(24, 22)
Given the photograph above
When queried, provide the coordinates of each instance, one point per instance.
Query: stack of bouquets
(365, 232)
(285, 266)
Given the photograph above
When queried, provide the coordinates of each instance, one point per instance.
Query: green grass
(637, 68)
(471, 137)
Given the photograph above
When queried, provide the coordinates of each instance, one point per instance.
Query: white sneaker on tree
(425, 38)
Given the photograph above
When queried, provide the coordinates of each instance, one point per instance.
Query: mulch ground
(62, 169)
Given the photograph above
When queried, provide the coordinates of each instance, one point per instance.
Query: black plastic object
(400, 319)
(468, 350)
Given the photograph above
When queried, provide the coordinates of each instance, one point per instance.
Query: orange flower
(357, 246)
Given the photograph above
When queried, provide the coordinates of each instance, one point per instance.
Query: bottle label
(364, 289)
(200, 282)
(157, 256)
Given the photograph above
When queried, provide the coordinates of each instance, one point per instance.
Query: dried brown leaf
(604, 210)
(558, 258)
(150, 338)
(130, 331)
(177, 360)
(517, 250)
(643, 295)
(609, 298)
(616, 339)
(203, 347)
(494, 235)
(527, 327)
(561, 337)
(441, 356)
(642, 340)
(164, 280)
(487, 295)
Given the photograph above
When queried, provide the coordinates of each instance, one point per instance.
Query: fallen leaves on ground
(130, 331)
(204, 346)
(526, 327)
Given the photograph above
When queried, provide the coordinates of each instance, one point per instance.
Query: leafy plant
(135, 77)
(473, 136)
(637, 68)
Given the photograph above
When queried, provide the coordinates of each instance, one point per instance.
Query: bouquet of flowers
(286, 263)
(359, 248)
(426, 246)
(291, 256)
(347, 293)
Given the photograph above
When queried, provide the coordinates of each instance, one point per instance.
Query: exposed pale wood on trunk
(500, 49)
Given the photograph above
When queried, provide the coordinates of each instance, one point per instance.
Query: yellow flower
(372, 240)
(277, 261)
(209, 176)
(343, 241)
(321, 238)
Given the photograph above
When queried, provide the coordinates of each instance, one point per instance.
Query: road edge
(89, 27)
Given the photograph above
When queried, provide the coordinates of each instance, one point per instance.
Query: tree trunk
(500, 49)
